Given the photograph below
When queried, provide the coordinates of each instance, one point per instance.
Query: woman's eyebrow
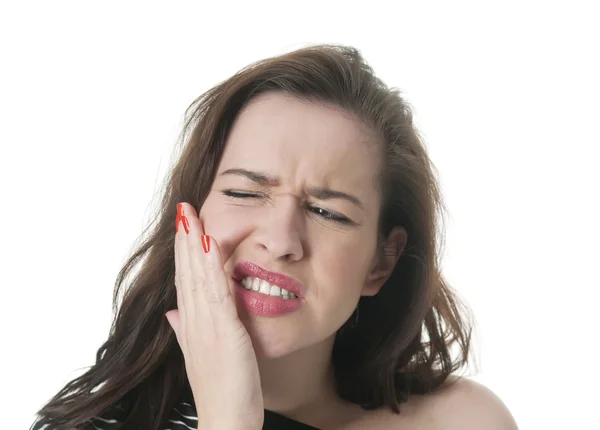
(267, 180)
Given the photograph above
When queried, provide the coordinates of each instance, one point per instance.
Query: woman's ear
(385, 261)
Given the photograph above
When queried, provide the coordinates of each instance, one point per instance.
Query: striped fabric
(184, 417)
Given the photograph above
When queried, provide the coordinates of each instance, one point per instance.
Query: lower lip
(263, 305)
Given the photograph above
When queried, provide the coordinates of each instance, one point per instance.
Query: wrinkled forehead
(303, 141)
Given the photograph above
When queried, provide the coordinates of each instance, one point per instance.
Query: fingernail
(178, 218)
(206, 243)
(181, 217)
(186, 224)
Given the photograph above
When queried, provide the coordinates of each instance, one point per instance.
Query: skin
(283, 230)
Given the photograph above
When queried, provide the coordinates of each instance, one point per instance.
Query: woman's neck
(299, 381)
(301, 386)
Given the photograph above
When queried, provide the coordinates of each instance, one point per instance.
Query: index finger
(207, 270)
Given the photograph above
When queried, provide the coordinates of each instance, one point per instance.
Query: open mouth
(262, 287)
(265, 305)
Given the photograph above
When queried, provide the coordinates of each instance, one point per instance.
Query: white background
(505, 94)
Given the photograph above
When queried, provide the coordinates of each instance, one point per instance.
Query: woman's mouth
(260, 303)
(263, 287)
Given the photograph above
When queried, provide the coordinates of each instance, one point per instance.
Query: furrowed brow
(267, 180)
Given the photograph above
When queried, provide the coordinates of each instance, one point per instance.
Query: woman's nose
(281, 233)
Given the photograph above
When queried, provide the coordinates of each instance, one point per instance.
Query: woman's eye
(239, 195)
(319, 211)
(330, 216)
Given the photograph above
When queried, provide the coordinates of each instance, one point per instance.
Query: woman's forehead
(282, 116)
(305, 164)
(283, 133)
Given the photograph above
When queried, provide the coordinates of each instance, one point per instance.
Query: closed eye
(330, 216)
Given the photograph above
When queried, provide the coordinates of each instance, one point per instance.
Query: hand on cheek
(219, 357)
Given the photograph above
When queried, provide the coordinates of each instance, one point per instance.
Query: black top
(184, 417)
(275, 421)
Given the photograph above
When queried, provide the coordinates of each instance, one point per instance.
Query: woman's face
(288, 230)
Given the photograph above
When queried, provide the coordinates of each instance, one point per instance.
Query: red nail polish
(179, 213)
(186, 224)
(206, 243)
(181, 217)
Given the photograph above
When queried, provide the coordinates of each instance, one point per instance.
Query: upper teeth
(264, 287)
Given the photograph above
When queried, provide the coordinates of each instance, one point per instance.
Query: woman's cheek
(227, 221)
(345, 261)
(233, 213)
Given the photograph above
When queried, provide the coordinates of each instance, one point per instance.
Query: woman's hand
(219, 357)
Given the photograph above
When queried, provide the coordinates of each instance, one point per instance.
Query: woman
(301, 286)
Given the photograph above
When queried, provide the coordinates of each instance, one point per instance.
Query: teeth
(264, 287)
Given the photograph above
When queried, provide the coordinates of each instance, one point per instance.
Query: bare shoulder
(460, 404)
(464, 404)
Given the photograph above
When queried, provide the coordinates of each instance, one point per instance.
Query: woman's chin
(270, 341)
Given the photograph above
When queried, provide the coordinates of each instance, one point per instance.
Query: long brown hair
(401, 344)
